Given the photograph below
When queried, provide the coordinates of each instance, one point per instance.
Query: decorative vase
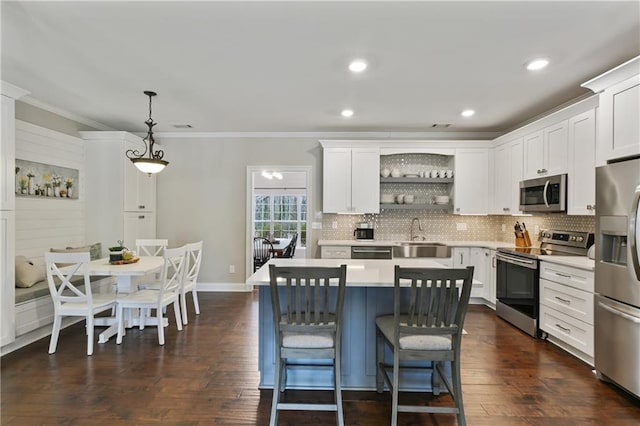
(56, 191)
(70, 192)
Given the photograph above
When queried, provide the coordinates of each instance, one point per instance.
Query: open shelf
(416, 207)
(415, 180)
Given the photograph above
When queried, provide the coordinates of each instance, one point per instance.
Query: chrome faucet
(413, 237)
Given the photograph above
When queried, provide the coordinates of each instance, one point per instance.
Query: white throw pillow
(29, 272)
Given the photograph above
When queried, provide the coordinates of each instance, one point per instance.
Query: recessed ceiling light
(467, 113)
(358, 65)
(537, 64)
(347, 113)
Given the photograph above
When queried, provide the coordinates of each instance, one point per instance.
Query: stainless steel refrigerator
(617, 276)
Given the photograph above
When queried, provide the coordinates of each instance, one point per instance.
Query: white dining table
(126, 276)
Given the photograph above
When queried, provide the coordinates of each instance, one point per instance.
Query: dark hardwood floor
(207, 374)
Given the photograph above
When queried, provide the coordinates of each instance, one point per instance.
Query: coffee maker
(363, 231)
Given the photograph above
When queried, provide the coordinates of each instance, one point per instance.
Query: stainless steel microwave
(547, 194)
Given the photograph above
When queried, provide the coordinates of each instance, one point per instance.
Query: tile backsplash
(395, 225)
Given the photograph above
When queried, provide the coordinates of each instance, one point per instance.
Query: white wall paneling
(43, 223)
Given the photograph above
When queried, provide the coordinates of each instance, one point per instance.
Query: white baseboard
(242, 287)
(35, 335)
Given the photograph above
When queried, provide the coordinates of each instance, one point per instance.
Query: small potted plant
(115, 252)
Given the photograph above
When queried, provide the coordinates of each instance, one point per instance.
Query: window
(279, 215)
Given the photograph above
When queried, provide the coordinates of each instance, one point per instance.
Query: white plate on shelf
(412, 175)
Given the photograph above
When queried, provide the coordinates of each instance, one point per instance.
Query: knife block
(523, 239)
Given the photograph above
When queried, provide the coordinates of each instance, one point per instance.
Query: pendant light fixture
(152, 162)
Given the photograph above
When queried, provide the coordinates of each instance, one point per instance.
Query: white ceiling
(281, 66)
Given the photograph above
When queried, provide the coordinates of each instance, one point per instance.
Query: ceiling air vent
(440, 126)
(182, 126)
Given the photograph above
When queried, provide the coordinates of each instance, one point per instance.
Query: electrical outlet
(232, 269)
(461, 226)
(334, 224)
(504, 227)
(316, 225)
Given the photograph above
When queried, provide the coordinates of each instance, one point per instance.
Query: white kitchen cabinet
(7, 154)
(138, 225)
(7, 268)
(619, 125)
(140, 188)
(335, 252)
(507, 174)
(546, 151)
(490, 288)
(471, 181)
(119, 193)
(566, 308)
(351, 180)
(477, 257)
(581, 191)
(618, 112)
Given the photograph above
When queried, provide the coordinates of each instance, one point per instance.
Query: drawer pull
(568, 302)
(141, 217)
(141, 206)
(566, 330)
(563, 275)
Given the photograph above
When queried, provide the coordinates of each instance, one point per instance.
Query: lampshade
(153, 162)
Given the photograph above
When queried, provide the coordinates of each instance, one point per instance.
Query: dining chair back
(151, 247)
(73, 297)
(307, 304)
(262, 252)
(189, 283)
(426, 325)
(168, 293)
(290, 250)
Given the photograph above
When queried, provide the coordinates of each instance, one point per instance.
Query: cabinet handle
(589, 207)
(568, 302)
(458, 209)
(539, 171)
(461, 259)
(141, 217)
(141, 207)
(493, 262)
(566, 330)
(563, 275)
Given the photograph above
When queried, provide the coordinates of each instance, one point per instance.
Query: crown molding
(333, 135)
(64, 113)
(12, 90)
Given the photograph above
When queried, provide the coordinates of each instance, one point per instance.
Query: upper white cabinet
(471, 181)
(351, 182)
(119, 193)
(139, 188)
(619, 127)
(507, 174)
(545, 151)
(581, 193)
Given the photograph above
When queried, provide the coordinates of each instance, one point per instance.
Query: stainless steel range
(517, 285)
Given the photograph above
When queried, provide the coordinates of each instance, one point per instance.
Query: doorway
(278, 206)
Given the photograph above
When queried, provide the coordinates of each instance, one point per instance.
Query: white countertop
(360, 273)
(580, 262)
(486, 244)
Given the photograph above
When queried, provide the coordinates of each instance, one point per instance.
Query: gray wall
(202, 195)
(40, 117)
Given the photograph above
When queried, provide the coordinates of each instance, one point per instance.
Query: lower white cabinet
(335, 252)
(7, 269)
(490, 288)
(566, 308)
(138, 225)
(479, 258)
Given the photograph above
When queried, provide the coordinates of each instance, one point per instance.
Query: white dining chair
(189, 283)
(150, 247)
(73, 297)
(171, 280)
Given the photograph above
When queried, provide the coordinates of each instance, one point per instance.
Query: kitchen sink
(421, 249)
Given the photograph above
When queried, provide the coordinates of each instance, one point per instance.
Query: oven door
(517, 283)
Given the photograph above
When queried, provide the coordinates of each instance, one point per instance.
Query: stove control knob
(572, 238)
(580, 239)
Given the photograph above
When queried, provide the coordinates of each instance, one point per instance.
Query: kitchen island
(369, 293)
